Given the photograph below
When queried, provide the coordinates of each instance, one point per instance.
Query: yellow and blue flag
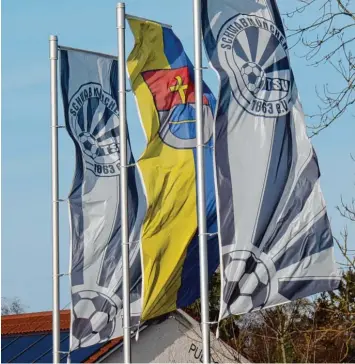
(162, 79)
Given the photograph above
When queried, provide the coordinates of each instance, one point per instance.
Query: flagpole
(53, 49)
(201, 186)
(123, 185)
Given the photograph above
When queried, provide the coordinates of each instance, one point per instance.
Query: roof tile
(27, 323)
(103, 350)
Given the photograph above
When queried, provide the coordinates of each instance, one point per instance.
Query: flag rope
(209, 234)
(63, 274)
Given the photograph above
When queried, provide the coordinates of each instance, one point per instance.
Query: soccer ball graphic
(94, 318)
(247, 281)
(89, 144)
(253, 77)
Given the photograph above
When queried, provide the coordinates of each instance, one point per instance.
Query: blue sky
(26, 208)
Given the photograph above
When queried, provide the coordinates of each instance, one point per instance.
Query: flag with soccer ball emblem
(89, 88)
(275, 238)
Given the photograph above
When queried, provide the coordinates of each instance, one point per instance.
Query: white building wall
(175, 340)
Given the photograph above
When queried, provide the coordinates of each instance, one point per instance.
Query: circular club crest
(253, 51)
(94, 123)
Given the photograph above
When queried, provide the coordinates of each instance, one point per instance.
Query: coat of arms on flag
(174, 97)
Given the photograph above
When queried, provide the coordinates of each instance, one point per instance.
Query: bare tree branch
(327, 39)
(11, 307)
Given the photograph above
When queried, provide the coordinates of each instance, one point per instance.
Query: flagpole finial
(121, 15)
(53, 47)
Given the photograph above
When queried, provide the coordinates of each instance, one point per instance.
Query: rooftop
(28, 338)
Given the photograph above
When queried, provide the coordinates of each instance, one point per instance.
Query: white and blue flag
(276, 241)
(90, 88)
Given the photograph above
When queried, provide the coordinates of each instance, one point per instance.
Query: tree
(270, 335)
(328, 38)
(318, 331)
(328, 334)
(11, 307)
(336, 310)
(347, 211)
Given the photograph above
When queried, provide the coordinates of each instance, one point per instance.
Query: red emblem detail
(171, 87)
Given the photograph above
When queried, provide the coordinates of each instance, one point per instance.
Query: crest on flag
(254, 51)
(93, 115)
(174, 98)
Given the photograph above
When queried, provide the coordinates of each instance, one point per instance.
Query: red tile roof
(104, 350)
(28, 323)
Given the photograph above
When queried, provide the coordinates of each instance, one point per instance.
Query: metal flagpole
(53, 48)
(123, 185)
(201, 186)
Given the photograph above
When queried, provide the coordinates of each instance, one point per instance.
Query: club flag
(162, 80)
(89, 90)
(275, 238)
